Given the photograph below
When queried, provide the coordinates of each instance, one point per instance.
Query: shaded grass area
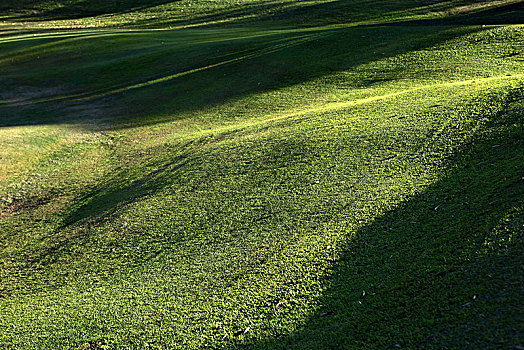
(329, 187)
(178, 14)
(77, 8)
(193, 71)
(256, 231)
(444, 269)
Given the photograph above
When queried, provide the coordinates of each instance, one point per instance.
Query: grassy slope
(275, 185)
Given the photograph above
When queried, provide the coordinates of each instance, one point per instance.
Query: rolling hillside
(261, 174)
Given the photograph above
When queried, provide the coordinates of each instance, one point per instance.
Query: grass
(262, 175)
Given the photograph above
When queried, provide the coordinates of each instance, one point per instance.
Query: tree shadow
(121, 188)
(503, 14)
(420, 265)
(290, 13)
(158, 88)
(337, 12)
(441, 271)
(73, 9)
(148, 84)
(261, 10)
(141, 86)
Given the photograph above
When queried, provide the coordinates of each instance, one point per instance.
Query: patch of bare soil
(10, 207)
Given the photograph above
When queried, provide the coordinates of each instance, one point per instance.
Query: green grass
(263, 175)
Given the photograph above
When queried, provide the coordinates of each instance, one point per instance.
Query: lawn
(261, 174)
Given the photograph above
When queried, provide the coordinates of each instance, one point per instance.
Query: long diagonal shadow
(248, 54)
(169, 95)
(264, 11)
(441, 271)
(300, 58)
(102, 201)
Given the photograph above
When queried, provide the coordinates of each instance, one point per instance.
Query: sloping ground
(275, 185)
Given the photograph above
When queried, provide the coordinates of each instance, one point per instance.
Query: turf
(261, 174)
